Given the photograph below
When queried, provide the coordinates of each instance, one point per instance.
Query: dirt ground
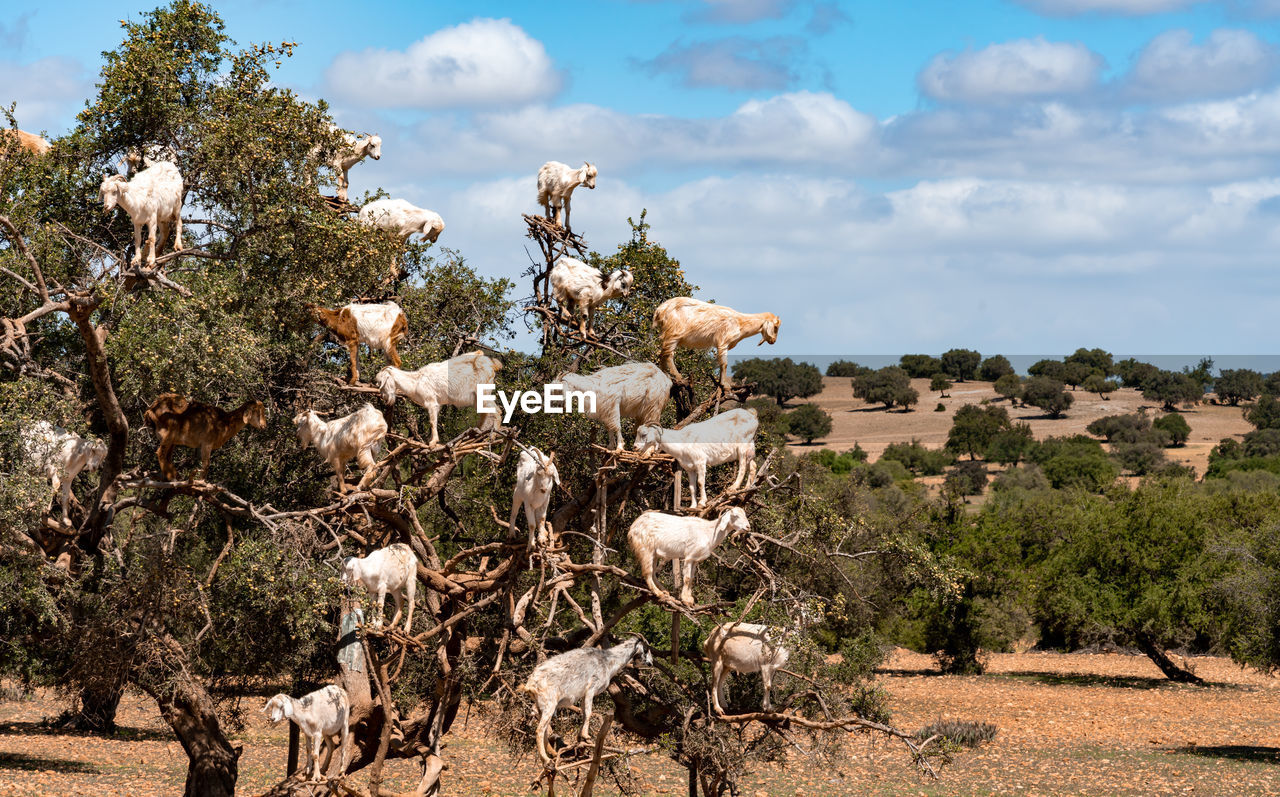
(1067, 724)
(855, 421)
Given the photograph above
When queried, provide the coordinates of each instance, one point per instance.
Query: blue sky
(1015, 176)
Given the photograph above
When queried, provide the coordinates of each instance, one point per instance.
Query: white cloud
(1173, 67)
(1011, 71)
(48, 92)
(742, 11)
(733, 63)
(482, 63)
(1121, 7)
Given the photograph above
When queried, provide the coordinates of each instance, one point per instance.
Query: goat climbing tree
(184, 589)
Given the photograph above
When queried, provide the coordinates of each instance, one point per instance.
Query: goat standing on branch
(536, 474)
(744, 648)
(320, 716)
(686, 541)
(352, 151)
(638, 391)
(180, 422)
(556, 182)
(725, 438)
(450, 383)
(698, 325)
(579, 289)
(403, 220)
(154, 198)
(378, 326)
(338, 441)
(393, 570)
(577, 676)
(61, 455)
(30, 142)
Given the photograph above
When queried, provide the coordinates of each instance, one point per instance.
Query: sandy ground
(855, 421)
(1076, 724)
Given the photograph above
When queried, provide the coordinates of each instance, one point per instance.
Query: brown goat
(378, 326)
(29, 141)
(178, 421)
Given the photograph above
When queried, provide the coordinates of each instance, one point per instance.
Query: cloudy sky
(1017, 176)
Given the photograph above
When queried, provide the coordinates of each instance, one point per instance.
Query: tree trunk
(1167, 665)
(212, 763)
(97, 710)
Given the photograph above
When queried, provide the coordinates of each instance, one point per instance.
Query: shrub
(1140, 458)
(967, 478)
(1011, 446)
(1133, 373)
(940, 408)
(918, 459)
(963, 733)
(1119, 427)
(1171, 389)
(1175, 426)
(841, 463)
(1075, 462)
(1261, 443)
(1097, 383)
(940, 383)
(1265, 414)
(808, 422)
(1051, 368)
(1022, 477)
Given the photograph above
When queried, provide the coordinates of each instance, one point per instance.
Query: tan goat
(698, 325)
(179, 421)
(29, 141)
(378, 326)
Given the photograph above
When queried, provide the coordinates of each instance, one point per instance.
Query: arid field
(855, 421)
(1078, 723)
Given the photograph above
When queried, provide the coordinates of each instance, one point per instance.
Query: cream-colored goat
(698, 325)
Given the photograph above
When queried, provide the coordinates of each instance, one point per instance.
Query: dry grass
(855, 421)
(1067, 724)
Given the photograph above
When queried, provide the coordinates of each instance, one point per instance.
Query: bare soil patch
(856, 422)
(1068, 724)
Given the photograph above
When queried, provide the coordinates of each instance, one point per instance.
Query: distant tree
(994, 367)
(1202, 374)
(1126, 428)
(1021, 477)
(1047, 394)
(889, 386)
(1075, 461)
(967, 478)
(1075, 373)
(916, 458)
(1140, 458)
(974, 426)
(1265, 414)
(961, 364)
(1235, 385)
(920, 366)
(780, 378)
(1011, 446)
(1098, 360)
(1175, 426)
(940, 383)
(1009, 386)
(1271, 383)
(1097, 383)
(1051, 368)
(808, 422)
(1171, 389)
(842, 463)
(1133, 373)
(846, 368)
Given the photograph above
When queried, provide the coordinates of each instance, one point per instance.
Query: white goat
(61, 456)
(579, 288)
(393, 570)
(698, 325)
(403, 219)
(744, 648)
(638, 391)
(320, 716)
(577, 676)
(556, 182)
(450, 383)
(725, 438)
(154, 198)
(686, 541)
(338, 441)
(353, 150)
(536, 474)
